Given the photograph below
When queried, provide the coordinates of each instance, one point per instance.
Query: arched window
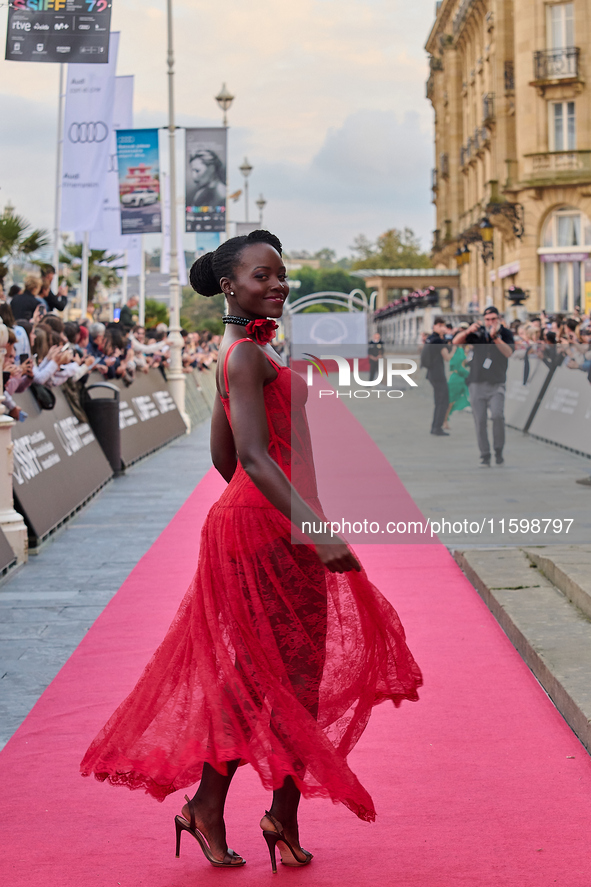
(564, 255)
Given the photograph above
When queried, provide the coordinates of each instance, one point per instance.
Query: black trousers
(441, 398)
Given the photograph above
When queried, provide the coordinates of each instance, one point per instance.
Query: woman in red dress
(281, 647)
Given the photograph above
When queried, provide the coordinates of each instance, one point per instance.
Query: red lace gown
(271, 658)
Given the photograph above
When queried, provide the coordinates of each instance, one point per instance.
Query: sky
(329, 108)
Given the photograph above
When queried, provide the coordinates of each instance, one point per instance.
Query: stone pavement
(445, 479)
(48, 606)
(541, 598)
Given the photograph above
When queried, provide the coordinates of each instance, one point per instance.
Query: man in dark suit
(433, 356)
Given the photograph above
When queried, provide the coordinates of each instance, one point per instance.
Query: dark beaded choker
(233, 318)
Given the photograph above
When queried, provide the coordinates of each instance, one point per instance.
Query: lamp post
(487, 233)
(261, 203)
(246, 170)
(175, 376)
(224, 98)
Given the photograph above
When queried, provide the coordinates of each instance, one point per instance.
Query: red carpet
(480, 783)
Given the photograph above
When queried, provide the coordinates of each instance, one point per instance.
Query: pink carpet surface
(479, 783)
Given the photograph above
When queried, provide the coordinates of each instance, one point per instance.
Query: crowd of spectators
(45, 352)
(558, 340)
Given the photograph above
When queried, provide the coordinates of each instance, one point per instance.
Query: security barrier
(521, 397)
(7, 555)
(148, 416)
(58, 464)
(564, 415)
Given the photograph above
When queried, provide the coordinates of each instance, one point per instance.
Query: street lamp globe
(246, 170)
(487, 231)
(261, 203)
(224, 98)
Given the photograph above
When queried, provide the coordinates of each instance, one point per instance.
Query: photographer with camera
(493, 346)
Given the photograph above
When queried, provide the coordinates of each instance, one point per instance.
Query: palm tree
(102, 267)
(17, 240)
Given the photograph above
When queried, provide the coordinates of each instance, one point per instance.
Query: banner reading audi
(205, 179)
(139, 181)
(75, 31)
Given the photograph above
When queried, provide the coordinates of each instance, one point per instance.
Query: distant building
(508, 83)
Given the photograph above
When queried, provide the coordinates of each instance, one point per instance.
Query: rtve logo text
(388, 369)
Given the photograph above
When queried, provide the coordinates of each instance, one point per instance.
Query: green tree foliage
(201, 313)
(18, 240)
(318, 280)
(156, 312)
(393, 249)
(102, 267)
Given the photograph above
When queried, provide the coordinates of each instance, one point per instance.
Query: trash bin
(103, 416)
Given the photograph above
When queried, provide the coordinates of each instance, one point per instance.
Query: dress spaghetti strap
(228, 352)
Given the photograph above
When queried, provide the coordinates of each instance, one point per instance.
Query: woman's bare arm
(248, 370)
(223, 449)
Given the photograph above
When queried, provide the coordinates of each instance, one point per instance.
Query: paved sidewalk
(445, 479)
(47, 607)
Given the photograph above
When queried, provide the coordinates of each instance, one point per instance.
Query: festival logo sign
(205, 179)
(139, 181)
(75, 31)
(88, 121)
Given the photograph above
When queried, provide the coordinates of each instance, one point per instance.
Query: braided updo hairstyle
(208, 270)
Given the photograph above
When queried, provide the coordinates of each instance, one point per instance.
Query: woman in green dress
(458, 389)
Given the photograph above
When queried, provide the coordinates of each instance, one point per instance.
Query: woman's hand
(336, 557)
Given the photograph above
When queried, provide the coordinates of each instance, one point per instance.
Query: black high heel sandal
(276, 837)
(181, 824)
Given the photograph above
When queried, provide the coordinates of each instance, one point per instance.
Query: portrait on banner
(205, 179)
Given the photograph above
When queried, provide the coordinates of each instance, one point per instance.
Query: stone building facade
(509, 87)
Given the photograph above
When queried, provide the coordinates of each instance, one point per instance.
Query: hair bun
(202, 278)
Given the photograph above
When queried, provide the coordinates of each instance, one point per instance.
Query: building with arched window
(512, 178)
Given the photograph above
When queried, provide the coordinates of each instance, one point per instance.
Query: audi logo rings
(87, 133)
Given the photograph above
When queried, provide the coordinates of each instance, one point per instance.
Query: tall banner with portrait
(138, 161)
(88, 121)
(74, 31)
(205, 179)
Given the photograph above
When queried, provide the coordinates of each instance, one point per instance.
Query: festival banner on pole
(109, 220)
(139, 181)
(205, 179)
(88, 120)
(74, 31)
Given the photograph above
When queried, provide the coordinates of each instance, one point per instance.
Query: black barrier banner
(148, 416)
(58, 31)
(58, 463)
(525, 378)
(564, 415)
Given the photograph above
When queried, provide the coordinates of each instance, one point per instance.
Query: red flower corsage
(262, 331)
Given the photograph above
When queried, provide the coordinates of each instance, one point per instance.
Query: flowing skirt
(270, 659)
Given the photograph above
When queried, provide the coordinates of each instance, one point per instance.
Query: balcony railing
(557, 166)
(556, 64)
(488, 107)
